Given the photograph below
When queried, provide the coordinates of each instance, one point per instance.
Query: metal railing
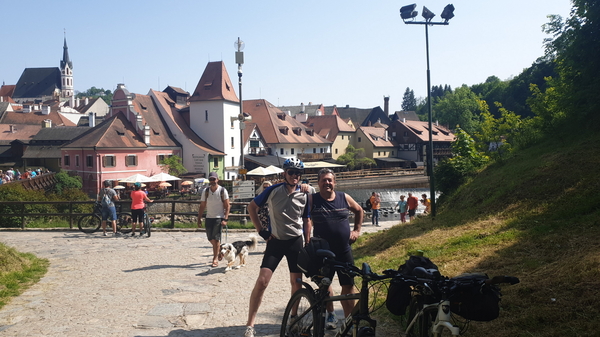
(21, 210)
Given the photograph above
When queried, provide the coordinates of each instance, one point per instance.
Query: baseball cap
(213, 175)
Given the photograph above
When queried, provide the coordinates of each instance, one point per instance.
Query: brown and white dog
(229, 251)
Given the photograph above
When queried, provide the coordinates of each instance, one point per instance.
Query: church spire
(65, 60)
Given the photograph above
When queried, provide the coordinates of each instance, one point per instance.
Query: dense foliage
(355, 159)
(94, 92)
(173, 165)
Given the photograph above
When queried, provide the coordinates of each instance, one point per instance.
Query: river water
(389, 197)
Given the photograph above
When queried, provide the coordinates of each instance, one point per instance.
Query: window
(131, 160)
(281, 151)
(232, 142)
(254, 143)
(393, 133)
(206, 115)
(216, 162)
(342, 137)
(232, 126)
(378, 153)
(160, 158)
(292, 151)
(67, 160)
(89, 161)
(392, 153)
(405, 133)
(76, 160)
(336, 151)
(232, 161)
(110, 161)
(314, 150)
(359, 139)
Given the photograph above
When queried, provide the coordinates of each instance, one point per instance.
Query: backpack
(105, 199)
(473, 299)
(368, 205)
(308, 262)
(208, 189)
(416, 261)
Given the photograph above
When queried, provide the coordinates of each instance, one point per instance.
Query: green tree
(575, 43)
(409, 102)
(66, 182)
(94, 92)
(465, 162)
(173, 165)
(355, 159)
(462, 107)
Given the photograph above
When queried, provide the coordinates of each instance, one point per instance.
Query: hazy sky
(332, 52)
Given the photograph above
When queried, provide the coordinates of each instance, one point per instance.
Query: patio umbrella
(165, 184)
(187, 182)
(259, 171)
(164, 177)
(138, 178)
(275, 169)
(119, 187)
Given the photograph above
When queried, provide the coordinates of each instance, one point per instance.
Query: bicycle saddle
(421, 272)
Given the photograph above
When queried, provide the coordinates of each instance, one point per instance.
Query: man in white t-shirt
(215, 200)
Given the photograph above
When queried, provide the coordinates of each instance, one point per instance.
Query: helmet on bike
(293, 163)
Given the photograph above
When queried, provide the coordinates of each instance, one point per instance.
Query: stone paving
(157, 286)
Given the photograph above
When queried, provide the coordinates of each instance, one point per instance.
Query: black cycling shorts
(137, 215)
(277, 249)
(344, 279)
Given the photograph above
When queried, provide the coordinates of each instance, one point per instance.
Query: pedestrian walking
(402, 206)
(375, 206)
(412, 203)
(215, 200)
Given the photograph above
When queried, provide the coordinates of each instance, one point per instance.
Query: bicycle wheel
(302, 324)
(89, 223)
(147, 225)
(124, 222)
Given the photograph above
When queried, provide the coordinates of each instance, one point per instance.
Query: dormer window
(297, 131)
(207, 86)
(281, 116)
(284, 130)
(310, 132)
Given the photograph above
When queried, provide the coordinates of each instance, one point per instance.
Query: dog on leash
(229, 251)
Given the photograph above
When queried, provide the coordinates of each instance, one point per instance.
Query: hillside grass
(535, 216)
(18, 271)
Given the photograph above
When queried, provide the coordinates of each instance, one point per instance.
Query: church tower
(66, 73)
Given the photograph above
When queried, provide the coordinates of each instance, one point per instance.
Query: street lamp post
(239, 59)
(409, 13)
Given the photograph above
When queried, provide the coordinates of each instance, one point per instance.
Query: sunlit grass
(18, 271)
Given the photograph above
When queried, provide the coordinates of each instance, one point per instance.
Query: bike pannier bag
(308, 261)
(398, 297)
(473, 300)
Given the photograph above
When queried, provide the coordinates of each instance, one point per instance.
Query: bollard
(244, 221)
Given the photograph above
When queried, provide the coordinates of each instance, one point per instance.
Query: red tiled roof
(115, 132)
(376, 136)
(421, 130)
(328, 126)
(22, 132)
(270, 120)
(214, 85)
(163, 100)
(36, 118)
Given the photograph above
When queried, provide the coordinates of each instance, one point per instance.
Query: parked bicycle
(432, 302)
(93, 222)
(305, 312)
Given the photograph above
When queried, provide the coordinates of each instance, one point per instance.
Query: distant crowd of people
(14, 175)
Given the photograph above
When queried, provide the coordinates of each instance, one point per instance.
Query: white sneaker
(249, 332)
(331, 323)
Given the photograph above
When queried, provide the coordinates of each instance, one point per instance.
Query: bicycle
(147, 222)
(434, 300)
(93, 222)
(310, 303)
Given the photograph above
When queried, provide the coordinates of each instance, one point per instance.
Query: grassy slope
(536, 216)
(18, 271)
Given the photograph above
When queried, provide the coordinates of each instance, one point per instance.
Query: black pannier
(398, 297)
(308, 261)
(416, 261)
(473, 299)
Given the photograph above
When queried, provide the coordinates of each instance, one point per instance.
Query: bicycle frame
(442, 319)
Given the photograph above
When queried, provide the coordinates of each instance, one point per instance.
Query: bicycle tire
(124, 222)
(89, 223)
(147, 225)
(304, 322)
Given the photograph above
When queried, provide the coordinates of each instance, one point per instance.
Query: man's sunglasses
(294, 172)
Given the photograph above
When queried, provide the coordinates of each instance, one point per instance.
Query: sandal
(215, 264)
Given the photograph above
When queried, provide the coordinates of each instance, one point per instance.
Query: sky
(338, 52)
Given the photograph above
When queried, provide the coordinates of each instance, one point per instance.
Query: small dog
(229, 251)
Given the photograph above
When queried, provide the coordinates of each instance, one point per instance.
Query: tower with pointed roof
(214, 110)
(66, 73)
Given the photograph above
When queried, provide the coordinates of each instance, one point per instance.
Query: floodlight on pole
(407, 12)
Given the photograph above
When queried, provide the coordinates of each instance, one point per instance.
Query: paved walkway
(157, 286)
